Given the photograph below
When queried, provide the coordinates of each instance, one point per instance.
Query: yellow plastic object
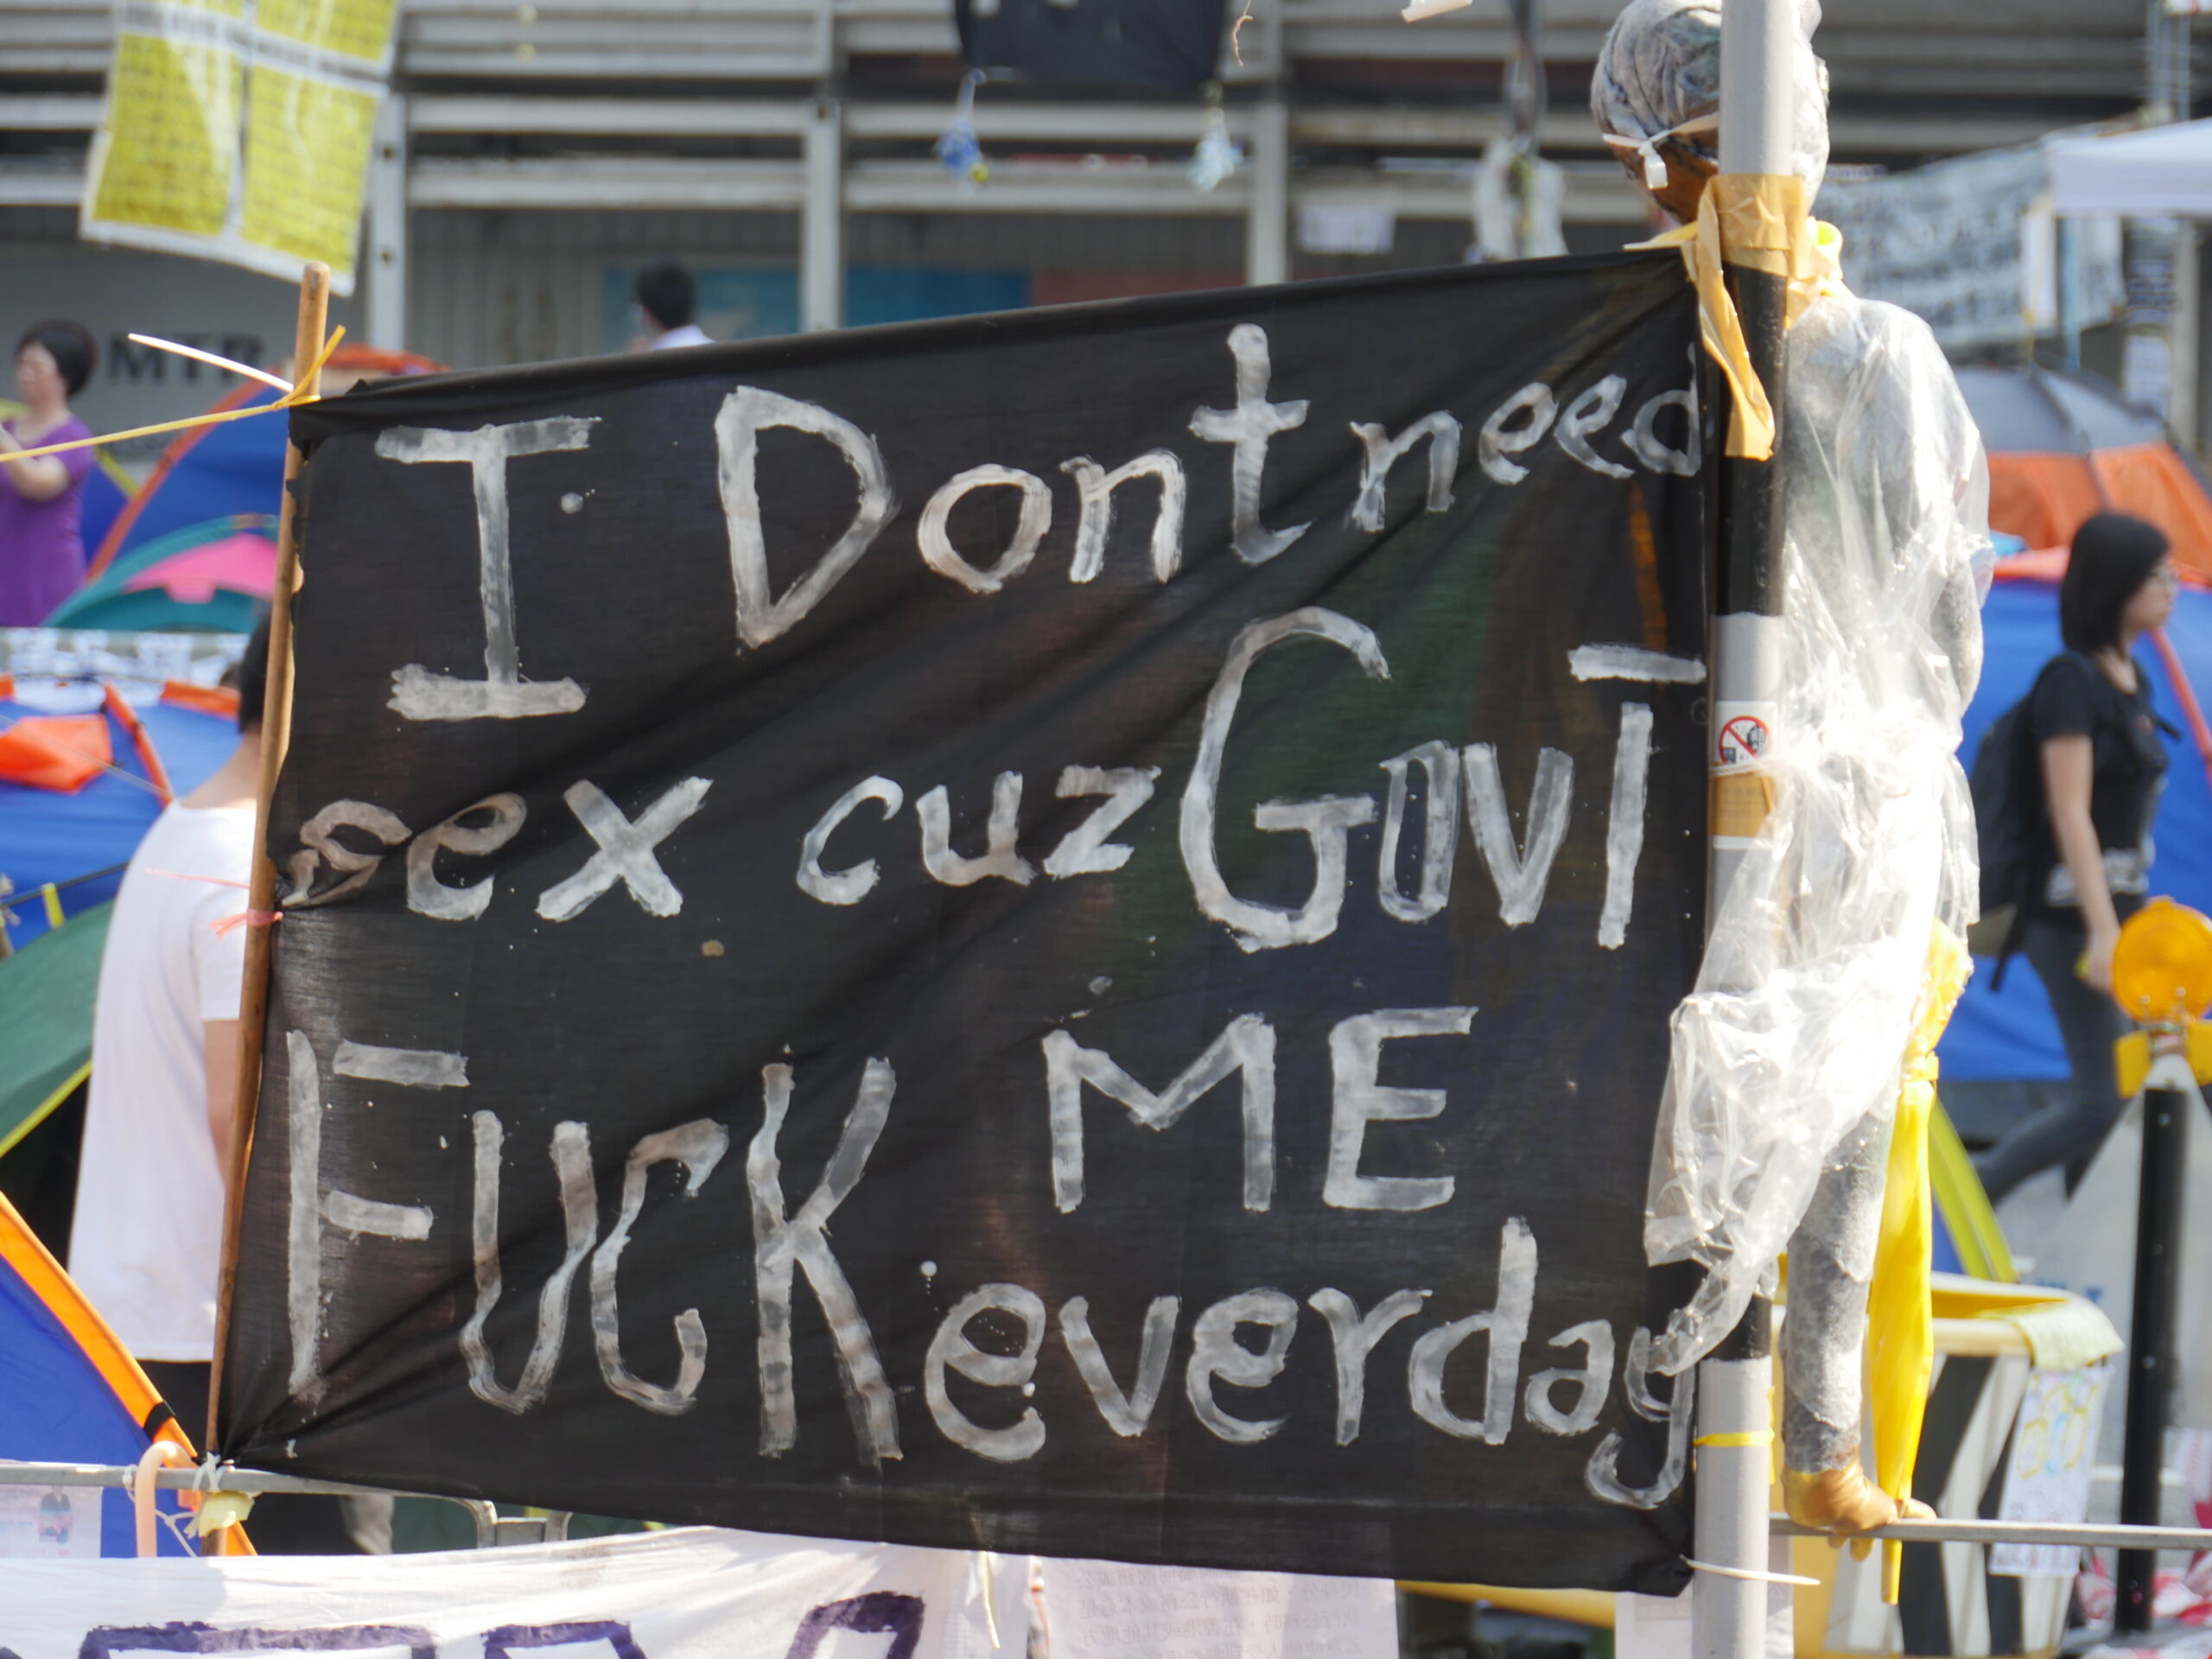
(219, 1510)
(1756, 219)
(1900, 1334)
(1983, 1253)
(2130, 1063)
(2162, 968)
(2131, 1058)
(1841, 1615)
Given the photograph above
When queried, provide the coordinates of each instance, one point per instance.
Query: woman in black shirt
(2104, 767)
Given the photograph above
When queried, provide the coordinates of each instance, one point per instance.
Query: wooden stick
(261, 897)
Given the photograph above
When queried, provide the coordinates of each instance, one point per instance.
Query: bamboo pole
(261, 899)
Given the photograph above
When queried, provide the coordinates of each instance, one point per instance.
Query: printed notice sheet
(239, 129)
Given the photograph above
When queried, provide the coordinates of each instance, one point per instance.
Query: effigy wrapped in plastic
(1788, 1057)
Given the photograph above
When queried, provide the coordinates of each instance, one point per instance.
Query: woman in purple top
(41, 556)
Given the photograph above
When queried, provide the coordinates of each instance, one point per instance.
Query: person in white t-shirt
(146, 1243)
(667, 308)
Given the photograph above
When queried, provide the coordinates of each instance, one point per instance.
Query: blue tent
(2010, 1034)
(120, 598)
(107, 488)
(70, 1393)
(48, 837)
(211, 471)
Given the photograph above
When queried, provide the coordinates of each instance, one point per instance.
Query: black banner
(1053, 932)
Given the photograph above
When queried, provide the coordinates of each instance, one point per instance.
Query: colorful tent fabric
(213, 472)
(45, 837)
(2062, 447)
(46, 1020)
(108, 490)
(242, 564)
(2010, 1034)
(61, 753)
(70, 1393)
(213, 577)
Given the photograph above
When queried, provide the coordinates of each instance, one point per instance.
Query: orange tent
(2042, 499)
(2062, 447)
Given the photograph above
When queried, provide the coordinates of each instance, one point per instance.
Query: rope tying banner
(1757, 221)
(292, 399)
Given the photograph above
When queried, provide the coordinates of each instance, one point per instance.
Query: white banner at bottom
(690, 1594)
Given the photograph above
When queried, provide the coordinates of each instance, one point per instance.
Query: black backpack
(2012, 829)
(2012, 824)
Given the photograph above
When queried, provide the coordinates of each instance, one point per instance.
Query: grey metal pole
(1267, 223)
(386, 258)
(1734, 1418)
(821, 218)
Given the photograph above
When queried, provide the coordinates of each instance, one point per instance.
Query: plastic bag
(1794, 1036)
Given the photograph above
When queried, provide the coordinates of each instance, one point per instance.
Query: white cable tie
(1421, 10)
(199, 356)
(1655, 169)
(1750, 1575)
(1647, 146)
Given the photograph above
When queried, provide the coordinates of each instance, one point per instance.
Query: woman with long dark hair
(41, 556)
(2104, 767)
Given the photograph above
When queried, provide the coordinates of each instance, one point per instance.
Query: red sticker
(1742, 740)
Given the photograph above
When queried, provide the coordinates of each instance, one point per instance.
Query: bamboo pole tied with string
(308, 353)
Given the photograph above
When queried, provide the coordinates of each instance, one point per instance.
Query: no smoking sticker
(1743, 735)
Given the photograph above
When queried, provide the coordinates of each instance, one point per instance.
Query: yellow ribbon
(1757, 221)
(292, 399)
(1900, 1324)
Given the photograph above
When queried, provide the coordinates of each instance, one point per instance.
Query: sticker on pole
(1743, 735)
(1742, 747)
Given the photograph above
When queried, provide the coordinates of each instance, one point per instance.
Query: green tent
(109, 601)
(46, 1021)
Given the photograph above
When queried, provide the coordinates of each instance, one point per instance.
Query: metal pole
(1735, 1419)
(1734, 1416)
(2184, 334)
(1756, 41)
(2068, 240)
(387, 228)
(822, 219)
(2150, 1332)
(1267, 223)
(1524, 106)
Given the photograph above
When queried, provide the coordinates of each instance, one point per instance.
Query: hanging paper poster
(239, 132)
(1051, 931)
(2047, 1478)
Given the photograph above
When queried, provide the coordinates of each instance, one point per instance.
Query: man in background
(667, 300)
(146, 1246)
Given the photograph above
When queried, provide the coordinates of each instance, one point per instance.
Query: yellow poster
(239, 129)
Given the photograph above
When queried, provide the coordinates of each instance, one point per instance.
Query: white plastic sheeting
(695, 1593)
(690, 1594)
(1787, 1055)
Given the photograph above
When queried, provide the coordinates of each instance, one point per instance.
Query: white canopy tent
(2159, 172)
(2162, 171)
